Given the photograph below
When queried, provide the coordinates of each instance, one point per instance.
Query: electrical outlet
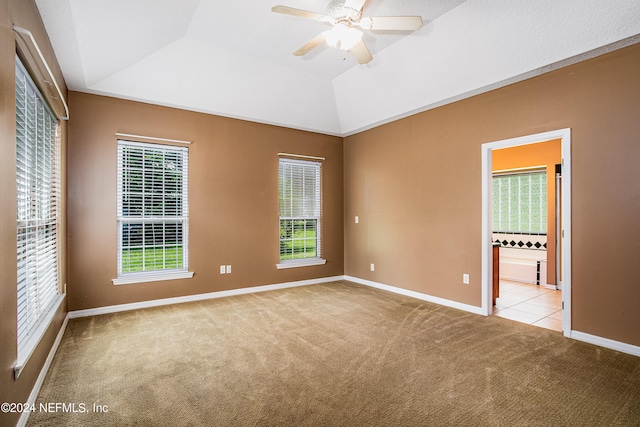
(228, 269)
(465, 279)
(373, 267)
(222, 269)
(357, 219)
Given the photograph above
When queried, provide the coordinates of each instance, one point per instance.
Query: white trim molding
(143, 138)
(46, 66)
(197, 297)
(300, 156)
(487, 262)
(22, 422)
(128, 279)
(43, 373)
(578, 336)
(606, 343)
(301, 263)
(425, 297)
(37, 335)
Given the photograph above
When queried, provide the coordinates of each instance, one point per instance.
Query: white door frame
(487, 261)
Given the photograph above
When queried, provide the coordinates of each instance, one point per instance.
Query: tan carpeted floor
(337, 354)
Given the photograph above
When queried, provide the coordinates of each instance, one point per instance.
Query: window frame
(316, 216)
(38, 203)
(144, 220)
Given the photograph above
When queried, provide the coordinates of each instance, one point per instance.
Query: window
(520, 203)
(38, 199)
(300, 213)
(152, 212)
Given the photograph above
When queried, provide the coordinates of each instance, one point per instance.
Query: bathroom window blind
(520, 202)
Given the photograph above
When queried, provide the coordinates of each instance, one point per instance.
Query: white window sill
(32, 342)
(152, 277)
(300, 263)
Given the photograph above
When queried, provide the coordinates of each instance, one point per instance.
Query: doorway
(560, 264)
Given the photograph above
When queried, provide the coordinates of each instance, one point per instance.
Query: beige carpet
(336, 354)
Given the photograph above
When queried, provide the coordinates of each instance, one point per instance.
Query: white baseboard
(579, 336)
(22, 422)
(197, 297)
(43, 373)
(417, 295)
(606, 343)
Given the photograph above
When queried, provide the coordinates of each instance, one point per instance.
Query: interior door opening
(526, 211)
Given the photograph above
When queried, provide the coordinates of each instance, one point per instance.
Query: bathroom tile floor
(532, 304)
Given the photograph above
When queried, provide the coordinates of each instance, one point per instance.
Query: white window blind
(520, 203)
(300, 210)
(152, 209)
(38, 198)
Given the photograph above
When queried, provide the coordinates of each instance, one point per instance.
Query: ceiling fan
(345, 16)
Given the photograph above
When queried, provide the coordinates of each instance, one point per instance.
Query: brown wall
(24, 14)
(547, 154)
(233, 200)
(416, 186)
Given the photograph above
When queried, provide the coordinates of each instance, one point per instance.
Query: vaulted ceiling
(234, 58)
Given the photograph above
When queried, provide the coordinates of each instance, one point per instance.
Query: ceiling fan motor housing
(342, 14)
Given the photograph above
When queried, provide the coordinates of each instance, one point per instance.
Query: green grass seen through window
(151, 259)
(301, 245)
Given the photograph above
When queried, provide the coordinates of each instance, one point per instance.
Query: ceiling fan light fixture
(344, 15)
(342, 37)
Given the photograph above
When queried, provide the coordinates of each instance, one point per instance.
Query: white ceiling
(233, 58)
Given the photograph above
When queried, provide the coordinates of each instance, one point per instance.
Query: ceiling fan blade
(355, 4)
(314, 42)
(297, 12)
(361, 52)
(393, 23)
